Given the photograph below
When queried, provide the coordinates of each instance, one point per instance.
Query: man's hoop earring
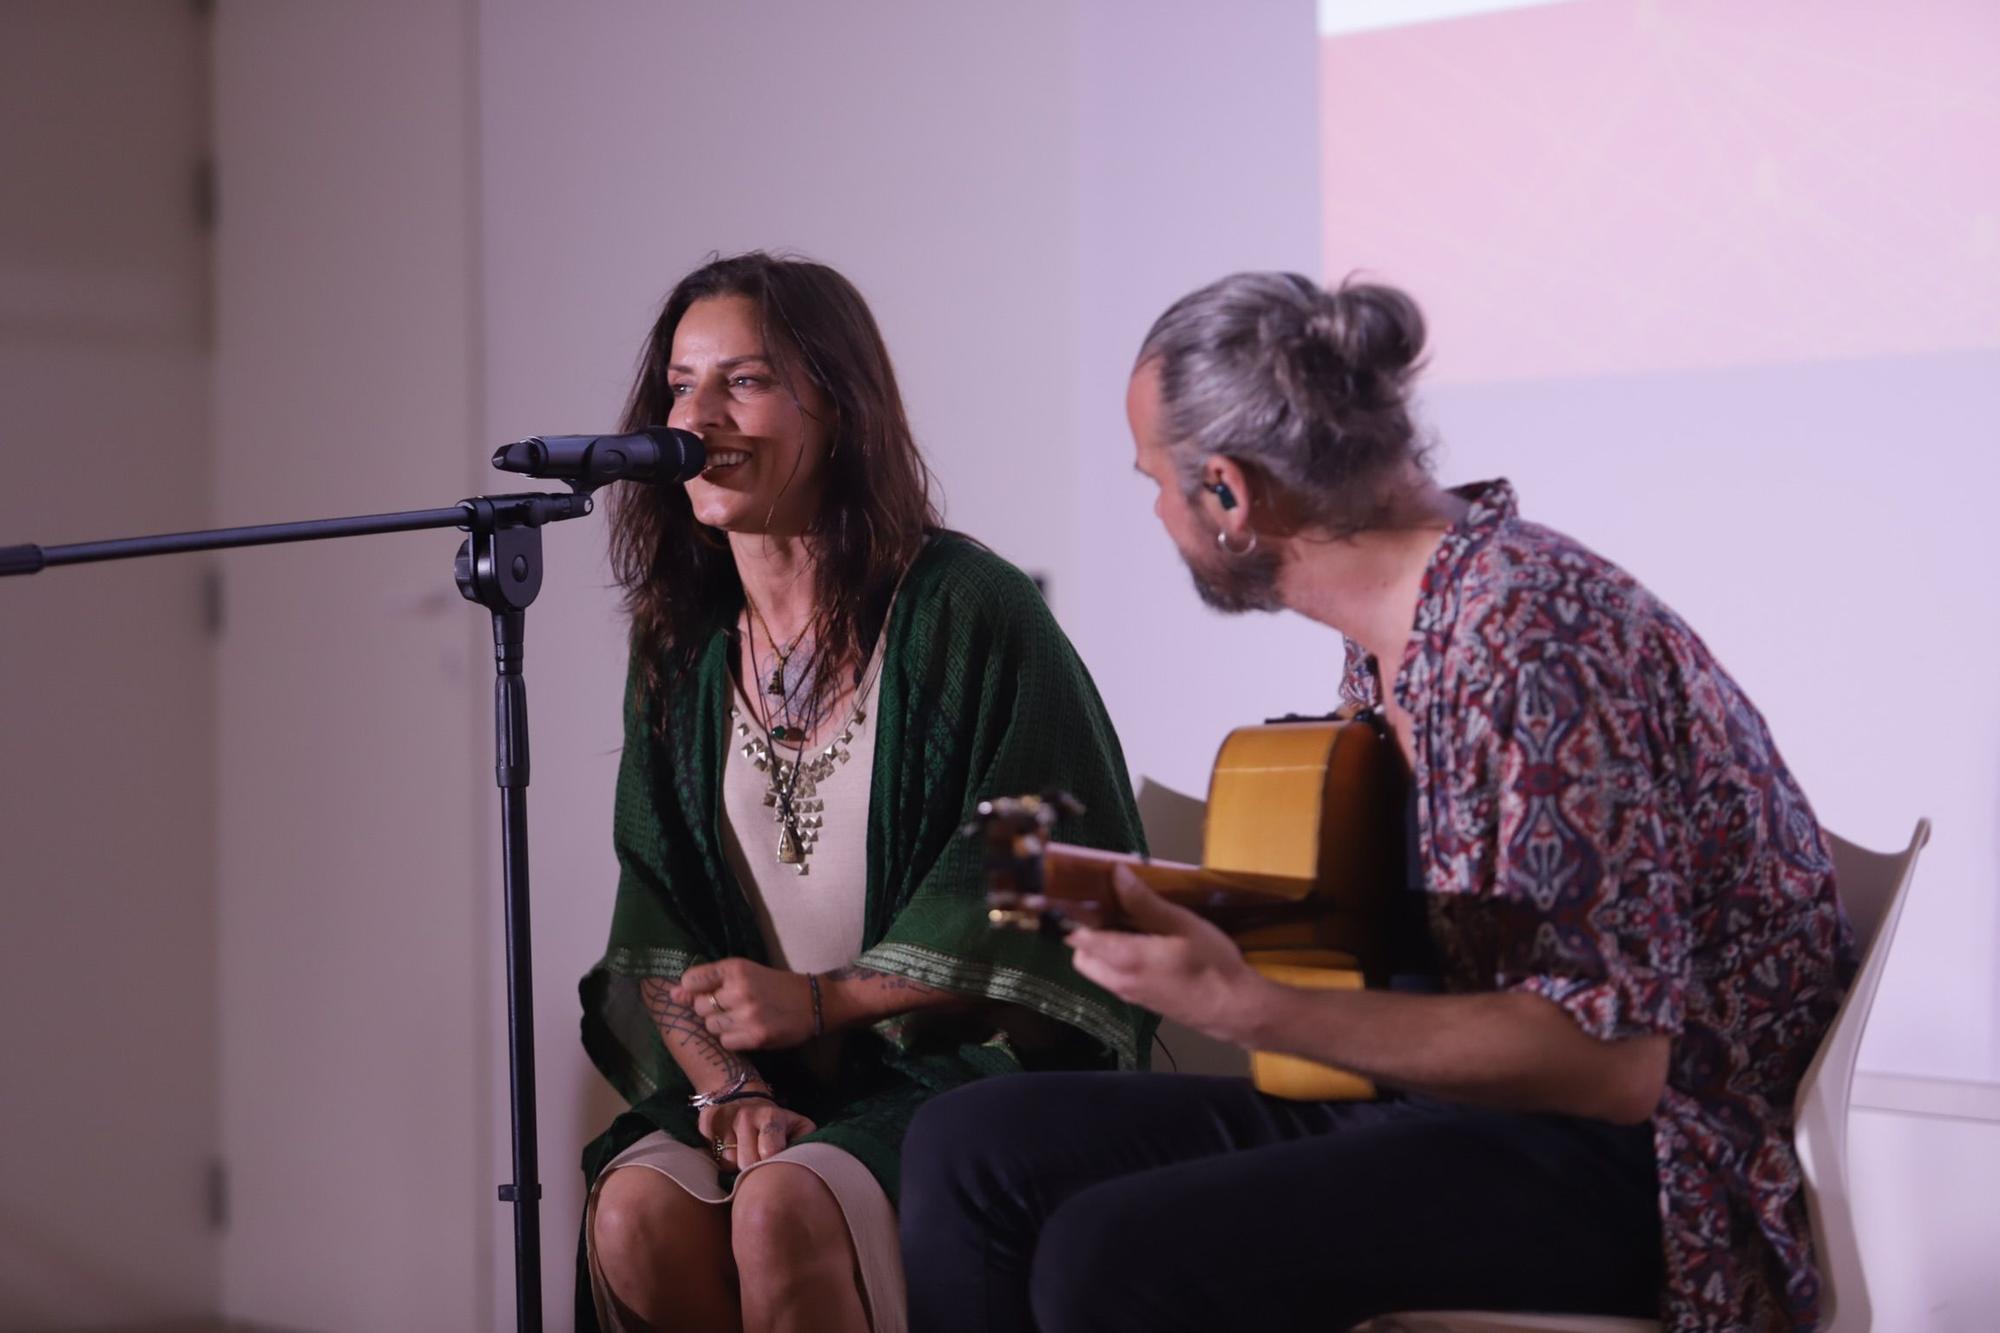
(1222, 540)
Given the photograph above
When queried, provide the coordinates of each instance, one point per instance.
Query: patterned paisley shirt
(1604, 821)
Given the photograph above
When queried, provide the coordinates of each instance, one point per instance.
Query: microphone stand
(500, 567)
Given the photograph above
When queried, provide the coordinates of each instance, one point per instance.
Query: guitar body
(1303, 839)
(1314, 810)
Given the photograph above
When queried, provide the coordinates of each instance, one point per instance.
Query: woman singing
(823, 685)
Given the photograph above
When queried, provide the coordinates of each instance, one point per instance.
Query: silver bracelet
(701, 1099)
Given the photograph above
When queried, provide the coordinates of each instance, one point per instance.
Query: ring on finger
(715, 1004)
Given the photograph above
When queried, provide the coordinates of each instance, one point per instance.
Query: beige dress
(811, 923)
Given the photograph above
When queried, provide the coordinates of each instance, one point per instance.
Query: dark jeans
(1167, 1201)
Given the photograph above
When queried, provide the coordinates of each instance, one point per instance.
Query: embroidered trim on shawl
(1009, 985)
(624, 961)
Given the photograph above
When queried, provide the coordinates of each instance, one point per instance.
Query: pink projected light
(1623, 185)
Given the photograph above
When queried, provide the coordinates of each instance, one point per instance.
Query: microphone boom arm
(499, 566)
(508, 511)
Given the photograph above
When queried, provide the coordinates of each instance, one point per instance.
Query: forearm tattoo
(884, 981)
(682, 1031)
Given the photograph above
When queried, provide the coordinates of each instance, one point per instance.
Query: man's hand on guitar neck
(1183, 967)
(1507, 1049)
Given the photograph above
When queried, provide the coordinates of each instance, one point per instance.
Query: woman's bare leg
(794, 1259)
(665, 1254)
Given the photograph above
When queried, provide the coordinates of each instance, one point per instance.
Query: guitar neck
(1077, 882)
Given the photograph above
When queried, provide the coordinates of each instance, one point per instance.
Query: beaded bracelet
(744, 1095)
(819, 1025)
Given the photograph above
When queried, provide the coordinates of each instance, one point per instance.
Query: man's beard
(1236, 583)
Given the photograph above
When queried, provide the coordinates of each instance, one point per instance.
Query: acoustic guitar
(1302, 841)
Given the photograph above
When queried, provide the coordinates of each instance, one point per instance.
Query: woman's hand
(746, 1006)
(1182, 968)
(751, 1130)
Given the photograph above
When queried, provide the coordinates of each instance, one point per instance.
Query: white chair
(1173, 823)
(1873, 887)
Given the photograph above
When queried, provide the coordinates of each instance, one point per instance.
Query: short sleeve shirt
(1604, 820)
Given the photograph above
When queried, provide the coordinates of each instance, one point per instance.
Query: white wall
(107, 897)
(355, 745)
(1198, 156)
(1923, 1186)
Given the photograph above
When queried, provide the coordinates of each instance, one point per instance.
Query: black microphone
(586, 462)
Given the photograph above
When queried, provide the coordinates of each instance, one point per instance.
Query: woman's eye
(748, 382)
(680, 390)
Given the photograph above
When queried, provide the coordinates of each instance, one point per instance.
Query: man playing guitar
(1630, 904)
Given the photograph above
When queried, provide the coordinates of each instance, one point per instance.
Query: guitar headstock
(1015, 832)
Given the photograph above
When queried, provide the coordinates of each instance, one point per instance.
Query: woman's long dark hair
(875, 509)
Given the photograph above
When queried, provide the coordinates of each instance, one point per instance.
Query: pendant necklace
(779, 685)
(793, 798)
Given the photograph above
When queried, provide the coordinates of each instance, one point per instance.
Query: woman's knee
(638, 1218)
(784, 1223)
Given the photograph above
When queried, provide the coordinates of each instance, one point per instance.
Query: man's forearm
(1512, 1050)
(707, 1065)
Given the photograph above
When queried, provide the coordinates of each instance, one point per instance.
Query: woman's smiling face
(767, 434)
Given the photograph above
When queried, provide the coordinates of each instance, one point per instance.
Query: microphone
(659, 453)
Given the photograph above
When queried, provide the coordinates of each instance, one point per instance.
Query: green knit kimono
(981, 695)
